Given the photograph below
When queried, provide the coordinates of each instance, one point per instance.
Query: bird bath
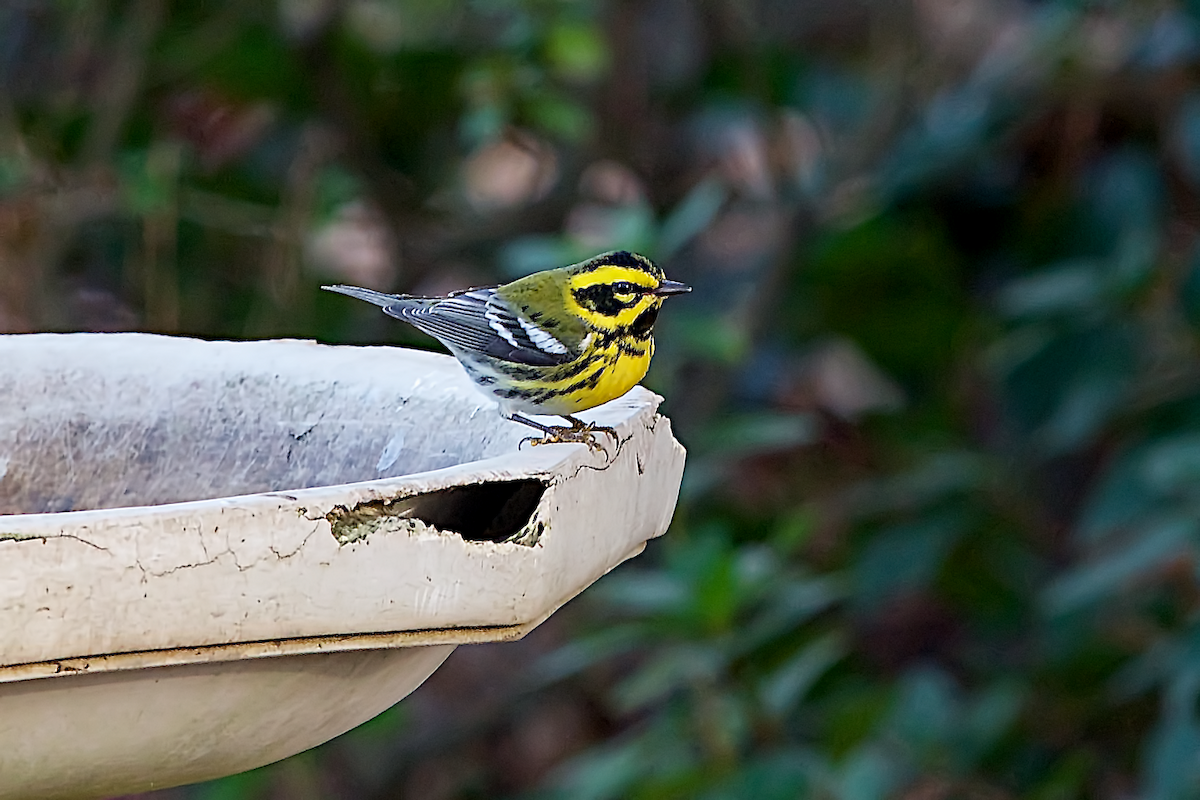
(214, 555)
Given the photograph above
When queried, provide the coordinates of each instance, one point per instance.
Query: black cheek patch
(644, 324)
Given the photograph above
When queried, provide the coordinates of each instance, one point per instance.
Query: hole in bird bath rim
(492, 511)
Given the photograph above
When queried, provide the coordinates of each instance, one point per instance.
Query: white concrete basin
(214, 555)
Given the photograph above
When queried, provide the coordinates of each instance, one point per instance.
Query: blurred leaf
(620, 228)
(925, 711)
(1189, 289)
(1173, 757)
(584, 652)
(560, 116)
(854, 714)
(1084, 407)
(868, 774)
(786, 606)
(149, 184)
(710, 568)
(691, 216)
(668, 671)
(1068, 288)
(1187, 134)
(1172, 466)
(1155, 542)
(1158, 665)
(890, 286)
(14, 171)
(787, 686)
(769, 776)
(530, 254)
(1172, 39)
(987, 721)
(751, 434)
(1066, 390)
(794, 530)
(953, 128)
(643, 592)
(335, 187)
(577, 51)
(1123, 194)
(602, 774)
(904, 557)
(1121, 497)
(1133, 262)
(710, 337)
(1066, 779)
(941, 475)
(256, 63)
(838, 98)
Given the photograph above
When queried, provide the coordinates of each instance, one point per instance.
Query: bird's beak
(671, 287)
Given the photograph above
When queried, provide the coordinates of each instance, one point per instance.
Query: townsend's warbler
(555, 342)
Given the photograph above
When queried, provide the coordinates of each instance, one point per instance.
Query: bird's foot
(579, 432)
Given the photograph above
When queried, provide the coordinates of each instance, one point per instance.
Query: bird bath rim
(292, 587)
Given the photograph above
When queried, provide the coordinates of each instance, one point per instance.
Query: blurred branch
(117, 91)
(391, 190)
(280, 302)
(160, 226)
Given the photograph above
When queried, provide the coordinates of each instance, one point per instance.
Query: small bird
(554, 343)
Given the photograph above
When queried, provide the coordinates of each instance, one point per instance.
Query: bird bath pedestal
(214, 555)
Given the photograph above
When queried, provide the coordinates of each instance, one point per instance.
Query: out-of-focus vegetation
(938, 380)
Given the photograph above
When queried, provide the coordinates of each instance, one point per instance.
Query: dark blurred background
(938, 380)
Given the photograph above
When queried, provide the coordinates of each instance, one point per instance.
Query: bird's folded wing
(479, 320)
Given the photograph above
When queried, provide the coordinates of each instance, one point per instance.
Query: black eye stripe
(599, 298)
(602, 298)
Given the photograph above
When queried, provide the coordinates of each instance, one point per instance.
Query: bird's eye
(624, 287)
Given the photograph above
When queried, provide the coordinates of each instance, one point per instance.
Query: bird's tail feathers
(380, 299)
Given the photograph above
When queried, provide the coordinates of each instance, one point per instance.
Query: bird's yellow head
(619, 291)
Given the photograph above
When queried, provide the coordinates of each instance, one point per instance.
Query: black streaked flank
(630, 350)
(590, 382)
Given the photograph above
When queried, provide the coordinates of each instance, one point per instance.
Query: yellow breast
(618, 373)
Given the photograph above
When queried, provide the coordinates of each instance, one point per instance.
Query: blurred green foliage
(939, 379)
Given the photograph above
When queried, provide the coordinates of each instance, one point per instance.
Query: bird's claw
(581, 433)
(589, 428)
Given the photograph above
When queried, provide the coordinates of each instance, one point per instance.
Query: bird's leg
(579, 432)
(549, 430)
